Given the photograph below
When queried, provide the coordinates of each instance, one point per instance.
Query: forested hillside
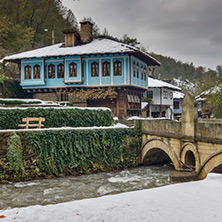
(171, 68)
(27, 24)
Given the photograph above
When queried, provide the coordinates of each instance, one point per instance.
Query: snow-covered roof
(212, 90)
(155, 83)
(178, 95)
(97, 46)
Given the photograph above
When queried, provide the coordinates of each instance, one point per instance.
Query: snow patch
(143, 118)
(68, 107)
(178, 95)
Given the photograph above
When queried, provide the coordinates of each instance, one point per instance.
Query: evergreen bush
(84, 151)
(11, 118)
(14, 154)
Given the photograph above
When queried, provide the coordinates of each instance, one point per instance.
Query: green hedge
(84, 151)
(11, 118)
(18, 102)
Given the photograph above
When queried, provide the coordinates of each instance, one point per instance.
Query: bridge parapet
(160, 127)
(208, 131)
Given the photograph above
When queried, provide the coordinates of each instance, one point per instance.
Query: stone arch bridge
(192, 143)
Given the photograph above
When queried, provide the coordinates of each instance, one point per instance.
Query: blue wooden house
(83, 63)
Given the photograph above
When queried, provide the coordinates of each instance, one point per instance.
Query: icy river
(58, 190)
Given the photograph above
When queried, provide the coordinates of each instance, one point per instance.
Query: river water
(51, 191)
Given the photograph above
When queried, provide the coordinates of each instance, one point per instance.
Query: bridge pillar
(189, 117)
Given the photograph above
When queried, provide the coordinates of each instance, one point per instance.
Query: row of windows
(117, 65)
(36, 72)
(165, 95)
(73, 70)
(136, 71)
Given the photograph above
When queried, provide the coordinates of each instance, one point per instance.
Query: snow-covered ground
(186, 202)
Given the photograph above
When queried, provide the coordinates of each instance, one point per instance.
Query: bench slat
(33, 119)
(30, 125)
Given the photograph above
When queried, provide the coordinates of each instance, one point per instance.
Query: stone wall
(77, 101)
(46, 96)
(209, 131)
(53, 96)
(162, 127)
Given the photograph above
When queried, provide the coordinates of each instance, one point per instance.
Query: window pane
(117, 68)
(72, 69)
(94, 69)
(176, 105)
(28, 72)
(106, 69)
(60, 71)
(36, 72)
(51, 72)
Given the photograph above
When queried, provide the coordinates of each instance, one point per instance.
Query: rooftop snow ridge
(97, 46)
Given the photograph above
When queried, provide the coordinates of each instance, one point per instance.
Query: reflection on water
(51, 191)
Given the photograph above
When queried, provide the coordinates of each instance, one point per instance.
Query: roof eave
(174, 89)
(146, 58)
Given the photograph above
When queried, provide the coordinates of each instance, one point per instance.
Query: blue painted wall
(178, 111)
(138, 81)
(86, 79)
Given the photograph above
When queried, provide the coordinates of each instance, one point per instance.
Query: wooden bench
(32, 119)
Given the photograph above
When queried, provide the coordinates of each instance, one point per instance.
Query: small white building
(177, 103)
(158, 99)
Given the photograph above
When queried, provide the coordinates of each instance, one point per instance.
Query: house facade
(159, 99)
(177, 103)
(57, 72)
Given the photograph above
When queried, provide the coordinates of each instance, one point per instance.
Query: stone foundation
(46, 96)
(53, 96)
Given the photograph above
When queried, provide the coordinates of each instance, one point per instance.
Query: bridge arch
(209, 164)
(159, 144)
(190, 156)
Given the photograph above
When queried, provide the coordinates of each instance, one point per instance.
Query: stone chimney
(72, 37)
(86, 32)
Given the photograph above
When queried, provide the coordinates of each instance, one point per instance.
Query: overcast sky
(187, 30)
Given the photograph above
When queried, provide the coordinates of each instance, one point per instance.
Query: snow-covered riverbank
(195, 201)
